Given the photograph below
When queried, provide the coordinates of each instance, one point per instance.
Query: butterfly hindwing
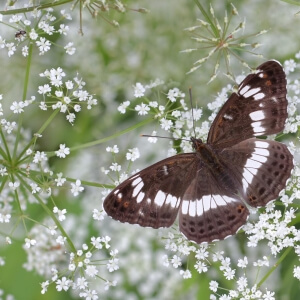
(153, 196)
(258, 108)
(209, 211)
(262, 168)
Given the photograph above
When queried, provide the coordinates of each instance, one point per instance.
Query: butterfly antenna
(191, 101)
(163, 137)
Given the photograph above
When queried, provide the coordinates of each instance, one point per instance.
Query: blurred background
(111, 60)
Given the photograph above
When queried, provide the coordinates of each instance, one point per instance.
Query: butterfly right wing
(258, 108)
(152, 197)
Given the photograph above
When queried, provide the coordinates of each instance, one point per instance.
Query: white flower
(165, 124)
(61, 213)
(60, 180)
(213, 285)
(14, 185)
(17, 107)
(29, 242)
(142, 109)
(176, 261)
(44, 89)
(35, 188)
(44, 285)
(113, 149)
(98, 215)
(91, 271)
(133, 154)
(122, 107)
(63, 284)
(70, 49)
(33, 35)
(44, 45)
(113, 265)
(63, 151)
(185, 274)
(11, 48)
(39, 157)
(139, 90)
(81, 283)
(108, 284)
(76, 188)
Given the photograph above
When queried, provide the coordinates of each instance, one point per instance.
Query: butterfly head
(196, 143)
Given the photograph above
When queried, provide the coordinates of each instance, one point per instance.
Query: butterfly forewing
(258, 108)
(153, 196)
(212, 187)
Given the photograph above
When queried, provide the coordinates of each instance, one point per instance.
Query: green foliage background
(111, 60)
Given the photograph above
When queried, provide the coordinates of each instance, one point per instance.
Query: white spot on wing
(200, 207)
(228, 117)
(261, 144)
(136, 181)
(252, 164)
(261, 75)
(160, 198)
(138, 188)
(165, 169)
(116, 191)
(263, 152)
(251, 92)
(185, 206)
(192, 208)
(259, 96)
(247, 179)
(140, 197)
(257, 115)
(257, 128)
(259, 158)
(172, 200)
(244, 89)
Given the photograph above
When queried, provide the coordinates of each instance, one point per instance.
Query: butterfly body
(211, 188)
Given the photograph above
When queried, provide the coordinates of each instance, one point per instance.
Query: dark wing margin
(258, 108)
(152, 197)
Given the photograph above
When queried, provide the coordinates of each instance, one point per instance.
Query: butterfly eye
(210, 188)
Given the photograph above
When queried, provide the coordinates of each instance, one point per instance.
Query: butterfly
(212, 187)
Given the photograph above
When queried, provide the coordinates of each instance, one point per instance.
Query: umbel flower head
(221, 41)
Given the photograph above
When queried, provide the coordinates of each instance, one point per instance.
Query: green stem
(97, 142)
(283, 256)
(25, 88)
(50, 213)
(207, 18)
(292, 2)
(48, 121)
(32, 8)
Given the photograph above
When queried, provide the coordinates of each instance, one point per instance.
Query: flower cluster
(47, 254)
(35, 28)
(66, 96)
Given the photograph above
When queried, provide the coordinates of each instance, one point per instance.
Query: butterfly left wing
(258, 108)
(152, 197)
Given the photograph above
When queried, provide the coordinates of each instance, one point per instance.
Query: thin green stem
(25, 88)
(292, 2)
(283, 256)
(50, 213)
(207, 18)
(32, 8)
(48, 121)
(97, 142)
